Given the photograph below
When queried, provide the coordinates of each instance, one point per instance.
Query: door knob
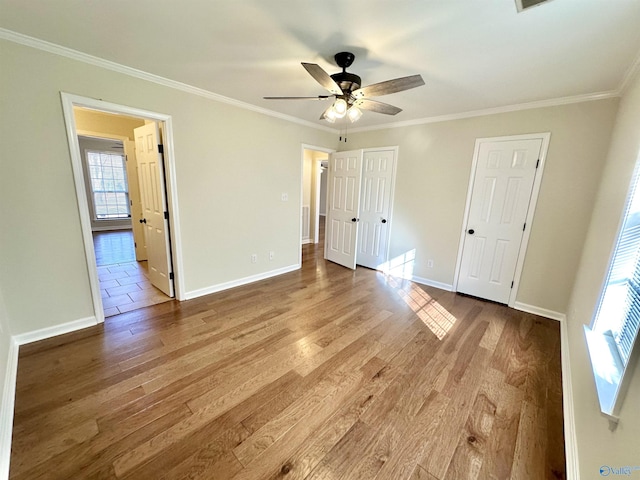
(143, 220)
(384, 220)
(471, 231)
(354, 219)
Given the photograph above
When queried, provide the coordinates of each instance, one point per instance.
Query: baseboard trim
(54, 331)
(6, 411)
(241, 281)
(542, 312)
(570, 439)
(431, 283)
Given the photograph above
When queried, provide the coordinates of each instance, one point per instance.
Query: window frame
(92, 192)
(611, 372)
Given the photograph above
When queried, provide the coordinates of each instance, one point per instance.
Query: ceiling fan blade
(390, 86)
(319, 97)
(322, 78)
(378, 107)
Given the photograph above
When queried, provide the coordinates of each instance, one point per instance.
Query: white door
(375, 207)
(500, 196)
(341, 229)
(135, 202)
(152, 193)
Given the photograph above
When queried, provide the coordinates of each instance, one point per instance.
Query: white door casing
(345, 174)
(152, 193)
(378, 169)
(501, 200)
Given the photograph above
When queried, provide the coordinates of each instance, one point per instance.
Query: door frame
(545, 136)
(69, 101)
(316, 182)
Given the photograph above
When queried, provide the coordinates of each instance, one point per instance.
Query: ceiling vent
(523, 5)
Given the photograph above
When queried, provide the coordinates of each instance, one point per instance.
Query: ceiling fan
(351, 98)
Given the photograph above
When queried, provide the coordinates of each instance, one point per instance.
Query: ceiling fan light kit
(351, 98)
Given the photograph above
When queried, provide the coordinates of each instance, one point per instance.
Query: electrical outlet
(272, 255)
(285, 197)
(430, 263)
(254, 258)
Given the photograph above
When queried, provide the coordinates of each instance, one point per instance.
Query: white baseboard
(6, 410)
(542, 312)
(431, 283)
(49, 332)
(570, 439)
(241, 281)
(306, 241)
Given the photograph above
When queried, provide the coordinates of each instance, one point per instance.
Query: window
(108, 180)
(617, 319)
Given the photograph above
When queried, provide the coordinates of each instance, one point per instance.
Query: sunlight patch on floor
(432, 314)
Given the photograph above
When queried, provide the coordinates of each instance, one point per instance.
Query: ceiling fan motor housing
(348, 82)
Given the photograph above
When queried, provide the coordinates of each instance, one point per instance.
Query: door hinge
(135, 245)
(538, 163)
(171, 276)
(160, 148)
(524, 226)
(166, 215)
(512, 284)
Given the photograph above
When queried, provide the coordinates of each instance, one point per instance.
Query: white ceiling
(473, 54)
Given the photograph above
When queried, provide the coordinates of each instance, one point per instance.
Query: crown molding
(632, 71)
(55, 49)
(554, 102)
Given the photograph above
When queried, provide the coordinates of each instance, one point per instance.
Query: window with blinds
(617, 320)
(109, 188)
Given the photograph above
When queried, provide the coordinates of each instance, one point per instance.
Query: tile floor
(124, 283)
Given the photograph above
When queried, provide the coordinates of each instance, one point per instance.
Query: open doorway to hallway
(314, 187)
(114, 200)
(124, 282)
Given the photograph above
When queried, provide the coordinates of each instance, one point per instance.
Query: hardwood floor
(322, 373)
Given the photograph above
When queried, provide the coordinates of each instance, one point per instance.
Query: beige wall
(104, 123)
(434, 165)
(232, 165)
(597, 445)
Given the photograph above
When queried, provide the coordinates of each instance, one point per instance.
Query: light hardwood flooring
(322, 373)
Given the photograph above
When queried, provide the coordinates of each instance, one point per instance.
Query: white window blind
(619, 311)
(108, 179)
(617, 321)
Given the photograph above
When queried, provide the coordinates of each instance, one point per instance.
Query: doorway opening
(115, 183)
(113, 198)
(315, 162)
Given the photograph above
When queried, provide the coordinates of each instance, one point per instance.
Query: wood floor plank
(323, 373)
